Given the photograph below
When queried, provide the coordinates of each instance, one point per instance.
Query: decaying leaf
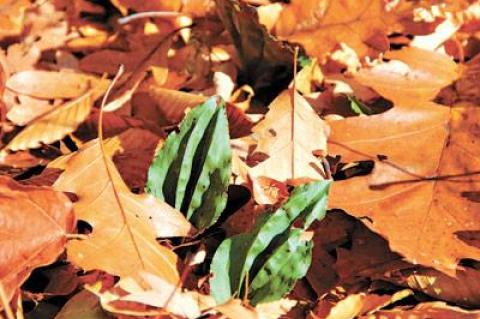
(263, 57)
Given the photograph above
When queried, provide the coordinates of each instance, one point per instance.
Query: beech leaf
(54, 124)
(34, 222)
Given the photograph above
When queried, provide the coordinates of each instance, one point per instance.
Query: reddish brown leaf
(34, 222)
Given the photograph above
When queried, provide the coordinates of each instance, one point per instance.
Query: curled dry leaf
(356, 305)
(123, 238)
(423, 193)
(34, 223)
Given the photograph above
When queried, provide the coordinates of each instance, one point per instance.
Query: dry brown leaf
(466, 86)
(418, 77)
(437, 310)
(123, 238)
(34, 223)
(52, 85)
(320, 25)
(53, 125)
(463, 289)
(289, 135)
(423, 193)
(168, 107)
(27, 109)
(356, 305)
(159, 294)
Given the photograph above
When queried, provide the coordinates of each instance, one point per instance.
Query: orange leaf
(419, 78)
(54, 124)
(320, 25)
(422, 194)
(34, 222)
(123, 238)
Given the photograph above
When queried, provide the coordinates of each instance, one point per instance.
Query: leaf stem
(6, 303)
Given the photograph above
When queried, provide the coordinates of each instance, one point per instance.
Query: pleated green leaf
(250, 252)
(287, 264)
(192, 170)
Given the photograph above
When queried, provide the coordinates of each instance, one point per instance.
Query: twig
(149, 14)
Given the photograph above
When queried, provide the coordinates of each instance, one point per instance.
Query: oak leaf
(34, 222)
(422, 195)
(123, 238)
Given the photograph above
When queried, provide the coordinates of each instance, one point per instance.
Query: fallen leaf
(264, 59)
(123, 238)
(45, 84)
(168, 107)
(463, 289)
(12, 14)
(411, 76)
(53, 125)
(421, 194)
(83, 305)
(320, 25)
(34, 222)
(289, 134)
(437, 310)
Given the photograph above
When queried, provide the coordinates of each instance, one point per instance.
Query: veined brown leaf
(34, 222)
(320, 25)
(53, 125)
(123, 238)
(422, 195)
